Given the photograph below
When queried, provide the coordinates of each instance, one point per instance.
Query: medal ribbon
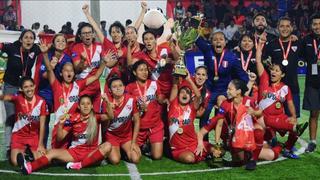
(66, 94)
(216, 66)
(316, 50)
(29, 110)
(244, 63)
(181, 115)
(285, 53)
(89, 58)
(143, 94)
(24, 70)
(60, 59)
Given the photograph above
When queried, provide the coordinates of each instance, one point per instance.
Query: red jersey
(28, 114)
(121, 125)
(79, 133)
(66, 99)
(271, 97)
(147, 94)
(94, 54)
(164, 76)
(182, 118)
(228, 112)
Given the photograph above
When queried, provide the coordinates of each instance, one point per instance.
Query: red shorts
(279, 122)
(20, 142)
(154, 134)
(177, 152)
(116, 140)
(79, 153)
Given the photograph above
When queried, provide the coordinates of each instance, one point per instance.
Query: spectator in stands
(64, 29)
(103, 28)
(238, 17)
(193, 8)
(220, 28)
(179, 11)
(221, 10)
(128, 22)
(209, 11)
(10, 17)
(35, 27)
(2, 27)
(253, 5)
(231, 30)
(69, 28)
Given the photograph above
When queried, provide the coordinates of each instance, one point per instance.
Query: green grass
(306, 167)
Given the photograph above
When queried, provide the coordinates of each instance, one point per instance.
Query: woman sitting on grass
(84, 150)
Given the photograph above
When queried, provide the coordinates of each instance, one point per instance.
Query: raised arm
(138, 23)
(259, 50)
(197, 98)
(85, 9)
(50, 73)
(174, 89)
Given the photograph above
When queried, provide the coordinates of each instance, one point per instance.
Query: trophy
(186, 36)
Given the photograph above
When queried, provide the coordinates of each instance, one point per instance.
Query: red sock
(269, 134)
(39, 163)
(292, 139)
(258, 137)
(276, 150)
(95, 157)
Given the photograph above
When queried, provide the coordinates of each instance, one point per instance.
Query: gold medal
(216, 78)
(61, 100)
(278, 105)
(180, 130)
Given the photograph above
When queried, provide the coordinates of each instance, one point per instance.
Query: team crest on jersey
(42, 67)
(221, 111)
(129, 107)
(225, 64)
(74, 54)
(294, 48)
(31, 55)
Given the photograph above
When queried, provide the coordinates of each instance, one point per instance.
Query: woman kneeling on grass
(84, 150)
(182, 113)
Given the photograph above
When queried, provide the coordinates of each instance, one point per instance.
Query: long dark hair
(239, 84)
(78, 40)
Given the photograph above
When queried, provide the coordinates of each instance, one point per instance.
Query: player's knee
(105, 148)
(13, 161)
(135, 159)
(156, 155)
(189, 159)
(114, 160)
